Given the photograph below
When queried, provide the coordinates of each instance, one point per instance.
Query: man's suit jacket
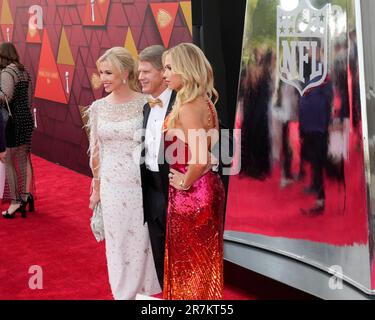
(149, 213)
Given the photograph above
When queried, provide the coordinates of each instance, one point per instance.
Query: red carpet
(57, 237)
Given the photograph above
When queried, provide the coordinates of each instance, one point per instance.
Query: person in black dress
(16, 96)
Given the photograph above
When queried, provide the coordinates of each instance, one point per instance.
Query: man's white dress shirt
(154, 131)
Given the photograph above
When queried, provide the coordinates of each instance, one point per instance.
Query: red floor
(57, 237)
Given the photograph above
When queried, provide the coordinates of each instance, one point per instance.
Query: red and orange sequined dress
(193, 265)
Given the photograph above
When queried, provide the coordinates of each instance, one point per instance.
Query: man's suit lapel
(170, 107)
(171, 103)
(146, 114)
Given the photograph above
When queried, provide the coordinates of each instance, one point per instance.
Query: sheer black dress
(16, 88)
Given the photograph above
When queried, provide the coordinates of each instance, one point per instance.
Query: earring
(124, 81)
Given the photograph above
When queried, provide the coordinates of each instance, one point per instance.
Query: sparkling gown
(113, 134)
(193, 267)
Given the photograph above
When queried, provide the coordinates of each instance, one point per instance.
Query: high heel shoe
(21, 209)
(30, 202)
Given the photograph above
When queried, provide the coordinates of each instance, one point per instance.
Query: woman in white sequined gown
(114, 160)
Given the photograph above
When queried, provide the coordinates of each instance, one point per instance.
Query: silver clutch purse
(96, 222)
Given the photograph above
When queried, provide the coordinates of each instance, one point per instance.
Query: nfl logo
(302, 36)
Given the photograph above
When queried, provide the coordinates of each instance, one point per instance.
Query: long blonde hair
(122, 59)
(196, 73)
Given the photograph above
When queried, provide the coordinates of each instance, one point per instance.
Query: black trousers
(314, 150)
(157, 204)
(287, 153)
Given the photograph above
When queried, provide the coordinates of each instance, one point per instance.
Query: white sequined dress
(115, 137)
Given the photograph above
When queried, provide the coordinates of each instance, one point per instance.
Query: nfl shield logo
(302, 36)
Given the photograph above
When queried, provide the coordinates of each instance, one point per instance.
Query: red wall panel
(59, 136)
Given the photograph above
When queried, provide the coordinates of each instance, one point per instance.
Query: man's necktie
(155, 102)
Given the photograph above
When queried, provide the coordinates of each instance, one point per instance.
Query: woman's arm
(94, 155)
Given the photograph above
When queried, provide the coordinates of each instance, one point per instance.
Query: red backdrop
(61, 57)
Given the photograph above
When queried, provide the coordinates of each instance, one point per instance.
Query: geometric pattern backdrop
(59, 42)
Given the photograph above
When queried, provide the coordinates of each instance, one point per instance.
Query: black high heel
(30, 202)
(21, 209)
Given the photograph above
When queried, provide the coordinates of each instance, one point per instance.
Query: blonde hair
(122, 60)
(189, 61)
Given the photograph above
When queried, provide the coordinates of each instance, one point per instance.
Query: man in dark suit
(154, 172)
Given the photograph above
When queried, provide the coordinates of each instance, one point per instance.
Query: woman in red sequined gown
(194, 240)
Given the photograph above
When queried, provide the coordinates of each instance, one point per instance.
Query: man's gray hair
(153, 55)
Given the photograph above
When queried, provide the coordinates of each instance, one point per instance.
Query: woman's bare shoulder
(190, 109)
(190, 114)
(194, 106)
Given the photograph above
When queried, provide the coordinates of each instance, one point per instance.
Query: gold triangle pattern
(65, 54)
(130, 44)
